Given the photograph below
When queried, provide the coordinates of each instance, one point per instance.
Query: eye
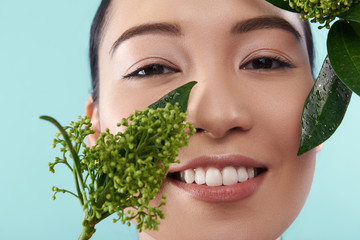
(267, 63)
(151, 70)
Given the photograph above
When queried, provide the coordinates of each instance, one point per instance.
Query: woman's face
(251, 64)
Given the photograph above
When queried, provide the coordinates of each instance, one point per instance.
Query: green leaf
(324, 109)
(353, 14)
(282, 4)
(343, 45)
(356, 27)
(180, 95)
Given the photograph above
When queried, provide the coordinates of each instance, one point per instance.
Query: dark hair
(97, 29)
(310, 45)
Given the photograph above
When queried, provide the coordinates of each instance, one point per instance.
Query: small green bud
(128, 179)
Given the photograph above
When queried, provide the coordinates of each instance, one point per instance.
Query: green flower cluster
(322, 11)
(77, 132)
(125, 170)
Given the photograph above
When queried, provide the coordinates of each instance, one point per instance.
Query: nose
(218, 107)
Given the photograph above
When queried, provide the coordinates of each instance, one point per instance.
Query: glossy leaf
(180, 95)
(356, 27)
(324, 109)
(353, 14)
(282, 4)
(343, 47)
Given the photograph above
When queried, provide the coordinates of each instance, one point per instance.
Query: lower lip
(221, 194)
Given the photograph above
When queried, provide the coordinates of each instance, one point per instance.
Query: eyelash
(282, 63)
(164, 70)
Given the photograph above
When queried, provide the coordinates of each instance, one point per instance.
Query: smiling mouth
(213, 176)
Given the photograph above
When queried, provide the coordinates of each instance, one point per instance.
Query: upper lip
(218, 161)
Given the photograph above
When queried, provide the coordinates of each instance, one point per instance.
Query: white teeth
(213, 177)
(200, 176)
(251, 172)
(242, 174)
(229, 176)
(188, 176)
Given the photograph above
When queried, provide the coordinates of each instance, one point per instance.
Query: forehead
(199, 15)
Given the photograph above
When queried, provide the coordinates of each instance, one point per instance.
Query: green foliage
(124, 171)
(353, 14)
(179, 95)
(321, 11)
(283, 4)
(127, 169)
(324, 108)
(343, 46)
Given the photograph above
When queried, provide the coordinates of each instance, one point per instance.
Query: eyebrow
(173, 29)
(272, 22)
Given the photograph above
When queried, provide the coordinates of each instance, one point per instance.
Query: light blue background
(44, 70)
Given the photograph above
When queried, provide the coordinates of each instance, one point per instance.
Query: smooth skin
(251, 89)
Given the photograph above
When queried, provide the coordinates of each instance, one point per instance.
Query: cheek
(288, 187)
(279, 116)
(118, 98)
(290, 180)
(118, 101)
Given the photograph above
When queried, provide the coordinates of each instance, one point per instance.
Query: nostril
(218, 134)
(199, 130)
